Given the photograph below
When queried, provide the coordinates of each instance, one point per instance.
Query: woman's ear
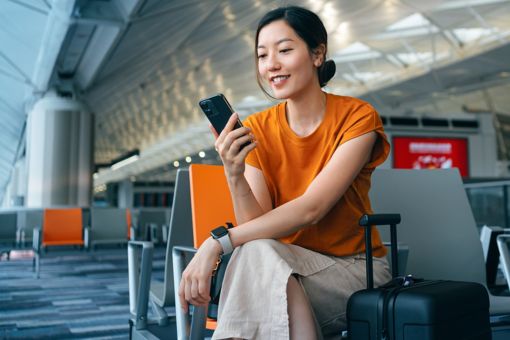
(319, 54)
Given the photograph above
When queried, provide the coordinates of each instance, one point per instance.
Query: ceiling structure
(141, 66)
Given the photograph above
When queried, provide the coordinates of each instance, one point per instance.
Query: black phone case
(218, 111)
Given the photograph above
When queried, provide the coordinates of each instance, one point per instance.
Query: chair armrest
(182, 320)
(165, 229)
(36, 240)
(86, 236)
(139, 276)
(504, 252)
(153, 230)
(132, 233)
(403, 255)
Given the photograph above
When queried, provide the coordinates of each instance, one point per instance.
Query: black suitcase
(411, 309)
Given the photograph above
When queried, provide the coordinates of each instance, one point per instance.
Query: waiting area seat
(158, 294)
(152, 224)
(211, 206)
(437, 226)
(7, 233)
(28, 220)
(61, 227)
(107, 226)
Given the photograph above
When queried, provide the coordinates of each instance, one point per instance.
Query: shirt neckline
(291, 135)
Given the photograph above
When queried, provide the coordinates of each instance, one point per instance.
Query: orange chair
(211, 206)
(61, 227)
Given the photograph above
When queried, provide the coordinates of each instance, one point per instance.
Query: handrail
(487, 184)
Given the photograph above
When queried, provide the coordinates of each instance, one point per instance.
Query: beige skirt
(253, 302)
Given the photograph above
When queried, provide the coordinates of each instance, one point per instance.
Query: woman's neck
(305, 112)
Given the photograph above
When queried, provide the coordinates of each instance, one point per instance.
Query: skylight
(413, 25)
(413, 21)
(467, 35)
(366, 76)
(357, 47)
(414, 58)
(355, 51)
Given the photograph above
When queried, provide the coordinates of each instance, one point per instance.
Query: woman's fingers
(237, 144)
(245, 150)
(195, 298)
(204, 290)
(187, 290)
(195, 283)
(229, 143)
(182, 298)
(229, 134)
(228, 127)
(234, 117)
(194, 289)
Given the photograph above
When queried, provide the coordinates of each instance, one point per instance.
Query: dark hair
(309, 27)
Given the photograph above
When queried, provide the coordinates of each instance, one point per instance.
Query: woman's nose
(273, 63)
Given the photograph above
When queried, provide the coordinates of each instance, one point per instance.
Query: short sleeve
(363, 121)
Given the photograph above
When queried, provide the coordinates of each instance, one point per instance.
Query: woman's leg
(301, 319)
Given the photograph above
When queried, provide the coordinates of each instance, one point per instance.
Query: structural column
(59, 153)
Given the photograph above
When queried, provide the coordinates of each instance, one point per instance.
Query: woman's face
(285, 62)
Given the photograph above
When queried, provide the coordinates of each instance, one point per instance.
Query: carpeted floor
(80, 295)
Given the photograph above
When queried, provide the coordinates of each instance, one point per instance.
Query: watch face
(219, 232)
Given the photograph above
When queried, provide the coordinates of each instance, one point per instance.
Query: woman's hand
(196, 279)
(228, 144)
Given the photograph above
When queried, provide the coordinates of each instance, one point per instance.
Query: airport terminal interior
(103, 143)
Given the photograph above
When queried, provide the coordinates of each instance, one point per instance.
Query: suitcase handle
(367, 221)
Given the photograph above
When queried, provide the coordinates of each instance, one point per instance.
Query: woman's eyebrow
(277, 43)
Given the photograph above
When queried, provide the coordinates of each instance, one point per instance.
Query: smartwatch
(221, 235)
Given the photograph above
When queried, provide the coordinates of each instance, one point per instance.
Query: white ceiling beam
(57, 25)
(484, 24)
(106, 36)
(465, 3)
(26, 79)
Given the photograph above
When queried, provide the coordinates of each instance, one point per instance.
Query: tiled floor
(79, 295)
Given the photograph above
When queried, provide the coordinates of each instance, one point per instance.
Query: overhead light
(201, 154)
(176, 164)
(95, 175)
(188, 159)
(129, 158)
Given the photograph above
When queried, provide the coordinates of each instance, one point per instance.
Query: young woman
(298, 190)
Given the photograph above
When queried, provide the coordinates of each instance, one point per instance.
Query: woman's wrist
(216, 246)
(239, 186)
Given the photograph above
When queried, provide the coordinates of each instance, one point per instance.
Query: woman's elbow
(313, 213)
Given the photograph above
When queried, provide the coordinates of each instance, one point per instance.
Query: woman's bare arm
(324, 191)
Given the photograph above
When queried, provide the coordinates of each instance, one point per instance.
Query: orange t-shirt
(290, 163)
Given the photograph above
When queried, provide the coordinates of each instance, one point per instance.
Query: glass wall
(489, 202)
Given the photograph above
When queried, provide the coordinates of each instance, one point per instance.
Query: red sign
(431, 153)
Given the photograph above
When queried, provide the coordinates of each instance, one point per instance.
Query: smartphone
(218, 110)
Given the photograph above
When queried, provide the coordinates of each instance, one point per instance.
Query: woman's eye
(260, 56)
(286, 50)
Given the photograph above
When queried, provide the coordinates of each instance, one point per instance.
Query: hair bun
(326, 72)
